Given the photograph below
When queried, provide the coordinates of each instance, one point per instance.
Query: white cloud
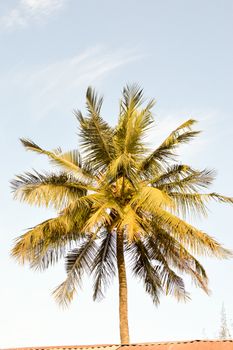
(27, 11)
(58, 84)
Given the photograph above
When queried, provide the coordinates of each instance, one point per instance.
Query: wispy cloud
(27, 11)
(58, 84)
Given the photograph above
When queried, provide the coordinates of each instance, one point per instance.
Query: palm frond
(95, 134)
(132, 98)
(78, 261)
(143, 268)
(103, 266)
(183, 178)
(131, 223)
(195, 240)
(123, 166)
(133, 123)
(56, 190)
(168, 251)
(165, 151)
(149, 198)
(69, 161)
(172, 283)
(189, 204)
(51, 236)
(101, 216)
(195, 203)
(218, 197)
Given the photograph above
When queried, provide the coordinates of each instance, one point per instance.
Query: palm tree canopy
(120, 185)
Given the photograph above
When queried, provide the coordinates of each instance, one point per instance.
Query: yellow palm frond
(130, 223)
(197, 241)
(35, 243)
(150, 198)
(49, 190)
(195, 203)
(67, 160)
(165, 151)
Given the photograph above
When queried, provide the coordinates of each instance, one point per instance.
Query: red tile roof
(183, 345)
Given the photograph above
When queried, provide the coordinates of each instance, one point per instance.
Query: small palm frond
(103, 266)
(78, 261)
(101, 205)
(56, 190)
(144, 269)
(69, 161)
(98, 204)
(172, 283)
(183, 178)
(195, 203)
(132, 98)
(165, 151)
(95, 134)
(93, 102)
(218, 197)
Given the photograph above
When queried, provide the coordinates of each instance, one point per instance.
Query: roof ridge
(118, 346)
(66, 347)
(180, 342)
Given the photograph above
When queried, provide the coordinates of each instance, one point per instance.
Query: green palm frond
(104, 265)
(189, 204)
(172, 283)
(218, 197)
(93, 102)
(78, 261)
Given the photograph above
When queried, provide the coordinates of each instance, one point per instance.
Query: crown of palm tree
(120, 196)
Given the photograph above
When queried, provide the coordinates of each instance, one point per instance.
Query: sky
(181, 53)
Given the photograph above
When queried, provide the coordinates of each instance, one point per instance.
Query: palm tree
(120, 200)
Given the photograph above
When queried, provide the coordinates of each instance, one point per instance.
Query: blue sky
(181, 52)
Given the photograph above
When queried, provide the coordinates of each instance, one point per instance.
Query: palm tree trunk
(123, 295)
